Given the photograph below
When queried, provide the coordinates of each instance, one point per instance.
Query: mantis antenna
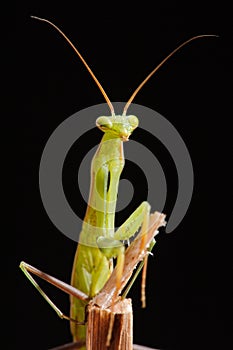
(158, 66)
(84, 62)
(142, 83)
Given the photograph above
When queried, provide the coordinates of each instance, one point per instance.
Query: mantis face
(118, 126)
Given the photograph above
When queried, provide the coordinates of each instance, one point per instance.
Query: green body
(99, 242)
(91, 267)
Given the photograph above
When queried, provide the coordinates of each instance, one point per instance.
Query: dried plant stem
(121, 334)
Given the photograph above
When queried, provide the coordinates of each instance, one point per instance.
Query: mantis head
(118, 126)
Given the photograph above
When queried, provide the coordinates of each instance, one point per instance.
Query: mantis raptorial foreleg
(139, 218)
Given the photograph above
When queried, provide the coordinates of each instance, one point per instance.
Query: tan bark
(100, 332)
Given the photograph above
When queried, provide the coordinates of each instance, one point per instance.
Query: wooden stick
(121, 318)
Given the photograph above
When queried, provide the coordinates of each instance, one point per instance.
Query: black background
(188, 293)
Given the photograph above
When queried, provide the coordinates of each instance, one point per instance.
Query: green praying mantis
(100, 246)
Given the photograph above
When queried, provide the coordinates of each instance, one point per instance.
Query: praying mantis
(100, 246)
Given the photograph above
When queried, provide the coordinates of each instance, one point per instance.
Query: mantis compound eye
(133, 121)
(104, 123)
